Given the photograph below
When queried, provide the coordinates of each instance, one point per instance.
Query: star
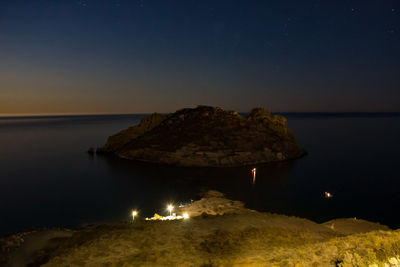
(82, 3)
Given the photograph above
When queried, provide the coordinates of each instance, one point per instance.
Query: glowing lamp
(134, 213)
(170, 208)
(185, 216)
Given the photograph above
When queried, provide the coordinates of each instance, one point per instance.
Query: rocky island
(207, 137)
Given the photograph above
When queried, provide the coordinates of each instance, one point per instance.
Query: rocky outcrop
(213, 203)
(119, 140)
(207, 136)
(218, 232)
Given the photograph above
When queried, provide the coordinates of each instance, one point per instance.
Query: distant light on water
(253, 173)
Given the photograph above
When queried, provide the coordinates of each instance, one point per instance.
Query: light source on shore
(134, 213)
(185, 216)
(170, 208)
(328, 195)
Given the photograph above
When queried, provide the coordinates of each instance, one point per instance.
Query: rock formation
(219, 232)
(207, 136)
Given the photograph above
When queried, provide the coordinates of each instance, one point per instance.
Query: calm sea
(48, 180)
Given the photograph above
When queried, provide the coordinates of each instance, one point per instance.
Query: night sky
(139, 56)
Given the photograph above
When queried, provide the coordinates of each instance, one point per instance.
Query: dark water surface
(47, 179)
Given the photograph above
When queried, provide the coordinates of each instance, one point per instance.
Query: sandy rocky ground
(220, 232)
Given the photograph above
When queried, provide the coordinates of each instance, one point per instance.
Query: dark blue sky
(124, 56)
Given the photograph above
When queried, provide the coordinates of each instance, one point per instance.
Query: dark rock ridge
(207, 136)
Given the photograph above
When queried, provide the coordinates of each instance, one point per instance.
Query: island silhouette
(206, 137)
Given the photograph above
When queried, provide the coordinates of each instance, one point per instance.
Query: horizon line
(15, 115)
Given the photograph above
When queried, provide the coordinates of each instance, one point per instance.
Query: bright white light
(134, 213)
(185, 215)
(170, 208)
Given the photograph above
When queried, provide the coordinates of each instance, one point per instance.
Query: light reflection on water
(253, 175)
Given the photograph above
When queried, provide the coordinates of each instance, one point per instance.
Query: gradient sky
(139, 56)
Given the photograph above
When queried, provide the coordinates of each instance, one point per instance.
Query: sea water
(48, 180)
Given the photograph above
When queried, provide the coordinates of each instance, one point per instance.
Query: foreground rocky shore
(206, 136)
(219, 232)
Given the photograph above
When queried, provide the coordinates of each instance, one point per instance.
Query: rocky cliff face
(119, 140)
(207, 136)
